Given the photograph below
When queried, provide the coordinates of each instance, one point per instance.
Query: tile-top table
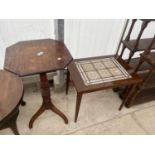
(98, 73)
(38, 57)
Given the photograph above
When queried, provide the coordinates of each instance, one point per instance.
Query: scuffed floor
(98, 115)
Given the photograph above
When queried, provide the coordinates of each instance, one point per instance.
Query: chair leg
(78, 103)
(67, 82)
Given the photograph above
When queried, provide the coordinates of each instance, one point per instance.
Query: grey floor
(98, 115)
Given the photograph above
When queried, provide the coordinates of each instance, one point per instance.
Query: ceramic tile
(92, 75)
(87, 67)
(109, 64)
(101, 70)
(105, 73)
(99, 65)
(115, 71)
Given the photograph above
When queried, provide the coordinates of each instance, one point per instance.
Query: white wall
(14, 30)
(84, 38)
(95, 37)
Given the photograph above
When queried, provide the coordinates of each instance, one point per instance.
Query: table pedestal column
(47, 102)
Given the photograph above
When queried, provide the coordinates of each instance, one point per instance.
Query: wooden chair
(93, 74)
(148, 56)
(138, 44)
(11, 94)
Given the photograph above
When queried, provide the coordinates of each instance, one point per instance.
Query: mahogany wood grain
(11, 91)
(47, 102)
(38, 57)
(149, 58)
(81, 88)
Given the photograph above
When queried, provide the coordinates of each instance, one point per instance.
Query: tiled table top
(97, 71)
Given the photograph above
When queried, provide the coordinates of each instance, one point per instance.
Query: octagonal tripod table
(38, 57)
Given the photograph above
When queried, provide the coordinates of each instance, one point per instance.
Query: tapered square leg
(67, 82)
(78, 103)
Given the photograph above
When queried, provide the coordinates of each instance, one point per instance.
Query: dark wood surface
(11, 91)
(26, 57)
(147, 92)
(81, 87)
(10, 121)
(143, 71)
(38, 57)
(146, 95)
(149, 58)
(143, 44)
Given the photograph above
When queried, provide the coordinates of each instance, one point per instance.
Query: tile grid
(115, 65)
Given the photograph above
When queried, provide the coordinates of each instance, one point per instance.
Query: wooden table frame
(39, 57)
(47, 103)
(81, 88)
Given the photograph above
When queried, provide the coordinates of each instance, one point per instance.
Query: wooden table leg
(67, 81)
(11, 122)
(78, 103)
(47, 102)
(23, 103)
(13, 125)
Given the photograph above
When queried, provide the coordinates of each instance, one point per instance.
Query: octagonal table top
(36, 56)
